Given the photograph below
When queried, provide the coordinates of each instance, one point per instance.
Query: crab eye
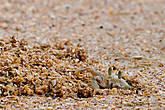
(110, 71)
(119, 74)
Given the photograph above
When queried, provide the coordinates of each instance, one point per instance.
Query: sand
(124, 33)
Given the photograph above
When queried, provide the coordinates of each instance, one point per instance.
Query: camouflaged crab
(103, 81)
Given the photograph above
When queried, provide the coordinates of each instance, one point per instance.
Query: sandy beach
(44, 42)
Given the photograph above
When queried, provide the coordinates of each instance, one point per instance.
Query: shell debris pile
(48, 70)
(44, 70)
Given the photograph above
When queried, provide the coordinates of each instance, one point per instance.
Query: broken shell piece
(138, 57)
(2, 86)
(3, 79)
(54, 82)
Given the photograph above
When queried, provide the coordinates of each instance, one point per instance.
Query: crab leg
(98, 80)
(94, 84)
(93, 72)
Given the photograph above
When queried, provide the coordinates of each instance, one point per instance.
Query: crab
(105, 81)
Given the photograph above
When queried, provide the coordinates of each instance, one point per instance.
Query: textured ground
(127, 33)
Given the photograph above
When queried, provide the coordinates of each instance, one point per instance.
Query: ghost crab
(105, 81)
